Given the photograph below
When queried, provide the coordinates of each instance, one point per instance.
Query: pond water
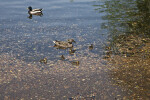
(33, 38)
(24, 42)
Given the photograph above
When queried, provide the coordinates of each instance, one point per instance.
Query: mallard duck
(43, 61)
(64, 44)
(35, 11)
(91, 47)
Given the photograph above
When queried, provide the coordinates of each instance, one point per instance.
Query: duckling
(62, 57)
(75, 63)
(35, 11)
(63, 44)
(71, 51)
(43, 61)
(91, 47)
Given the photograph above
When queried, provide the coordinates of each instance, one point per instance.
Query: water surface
(25, 41)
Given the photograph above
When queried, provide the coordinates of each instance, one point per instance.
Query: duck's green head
(30, 8)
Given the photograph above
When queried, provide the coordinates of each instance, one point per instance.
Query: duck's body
(64, 44)
(43, 60)
(34, 11)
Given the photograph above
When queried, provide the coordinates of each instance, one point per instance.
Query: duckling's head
(62, 57)
(30, 8)
(91, 47)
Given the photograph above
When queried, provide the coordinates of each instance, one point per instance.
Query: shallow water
(84, 74)
(61, 20)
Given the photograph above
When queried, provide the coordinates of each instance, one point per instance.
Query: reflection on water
(31, 64)
(38, 14)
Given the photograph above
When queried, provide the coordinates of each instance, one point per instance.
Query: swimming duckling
(63, 44)
(71, 51)
(35, 11)
(91, 47)
(62, 57)
(75, 63)
(43, 61)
